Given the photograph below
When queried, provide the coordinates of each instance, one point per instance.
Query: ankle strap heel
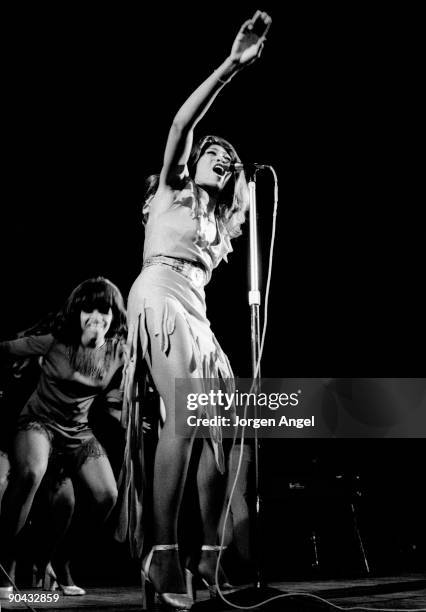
(209, 581)
(213, 547)
(158, 547)
(172, 602)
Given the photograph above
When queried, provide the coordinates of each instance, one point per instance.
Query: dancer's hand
(249, 42)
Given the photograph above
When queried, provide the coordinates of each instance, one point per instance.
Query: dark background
(333, 104)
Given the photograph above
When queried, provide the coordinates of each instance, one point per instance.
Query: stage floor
(394, 592)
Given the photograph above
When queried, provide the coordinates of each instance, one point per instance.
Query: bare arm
(27, 346)
(246, 48)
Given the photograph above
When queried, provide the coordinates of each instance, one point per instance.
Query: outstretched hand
(248, 44)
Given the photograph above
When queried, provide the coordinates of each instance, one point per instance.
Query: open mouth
(219, 170)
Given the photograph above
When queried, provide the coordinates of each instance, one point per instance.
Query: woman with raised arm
(192, 210)
(81, 356)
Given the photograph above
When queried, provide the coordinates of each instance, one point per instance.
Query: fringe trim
(132, 479)
(213, 367)
(93, 362)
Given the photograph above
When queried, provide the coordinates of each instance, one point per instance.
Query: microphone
(238, 166)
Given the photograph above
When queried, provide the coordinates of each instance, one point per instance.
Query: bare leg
(62, 503)
(172, 454)
(4, 480)
(97, 476)
(211, 492)
(52, 529)
(98, 479)
(29, 460)
(4, 474)
(238, 524)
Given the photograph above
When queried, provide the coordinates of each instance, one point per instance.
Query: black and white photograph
(211, 236)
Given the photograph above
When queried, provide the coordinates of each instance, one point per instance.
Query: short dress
(70, 380)
(184, 242)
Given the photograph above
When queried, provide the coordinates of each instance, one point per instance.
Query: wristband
(225, 80)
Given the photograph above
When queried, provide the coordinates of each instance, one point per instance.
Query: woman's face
(213, 168)
(95, 325)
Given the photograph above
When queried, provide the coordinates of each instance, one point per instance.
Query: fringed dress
(184, 242)
(70, 380)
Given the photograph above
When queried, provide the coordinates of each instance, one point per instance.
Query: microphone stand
(254, 303)
(259, 591)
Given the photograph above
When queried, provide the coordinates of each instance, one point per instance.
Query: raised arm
(246, 48)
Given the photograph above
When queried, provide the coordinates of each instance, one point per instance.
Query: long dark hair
(94, 293)
(234, 195)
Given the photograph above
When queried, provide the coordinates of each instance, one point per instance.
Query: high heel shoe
(151, 599)
(5, 591)
(44, 579)
(49, 582)
(7, 587)
(71, 589)
(209, 582)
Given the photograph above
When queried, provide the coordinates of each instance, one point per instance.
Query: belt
(192, 270)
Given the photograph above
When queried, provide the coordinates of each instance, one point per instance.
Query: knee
(29, 476)
(106, 499)
(64, 501)
(4, 479)
(4, 471)
(111, 498)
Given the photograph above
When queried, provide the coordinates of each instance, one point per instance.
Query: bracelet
(224, 81)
